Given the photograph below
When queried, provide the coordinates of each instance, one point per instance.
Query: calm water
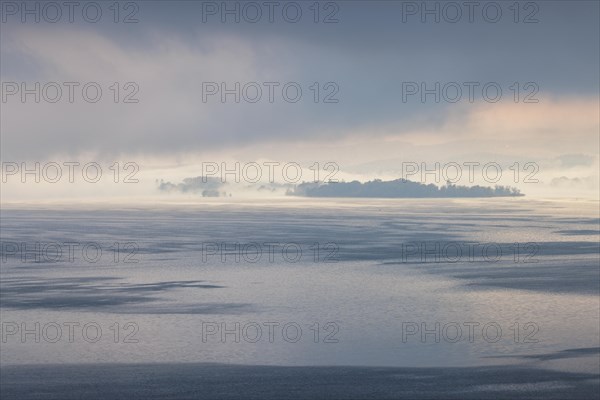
(352, 275)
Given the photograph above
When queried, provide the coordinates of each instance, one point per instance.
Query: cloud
(576, 160)
(575, 183)
(170, 53)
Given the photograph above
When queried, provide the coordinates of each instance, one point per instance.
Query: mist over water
(217, 200)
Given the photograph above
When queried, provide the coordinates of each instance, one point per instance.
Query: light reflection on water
(368, 294)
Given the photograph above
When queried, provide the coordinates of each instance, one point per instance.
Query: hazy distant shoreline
(399, 188)
(395, 189)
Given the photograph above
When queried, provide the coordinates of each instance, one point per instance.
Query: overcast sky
(366, 61)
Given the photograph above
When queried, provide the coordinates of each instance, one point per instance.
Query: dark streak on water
(218, 381)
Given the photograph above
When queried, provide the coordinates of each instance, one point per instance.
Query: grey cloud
(577, 182)
(576, 160)
(368, 54)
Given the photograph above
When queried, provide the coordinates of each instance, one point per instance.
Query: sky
(368, 88)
